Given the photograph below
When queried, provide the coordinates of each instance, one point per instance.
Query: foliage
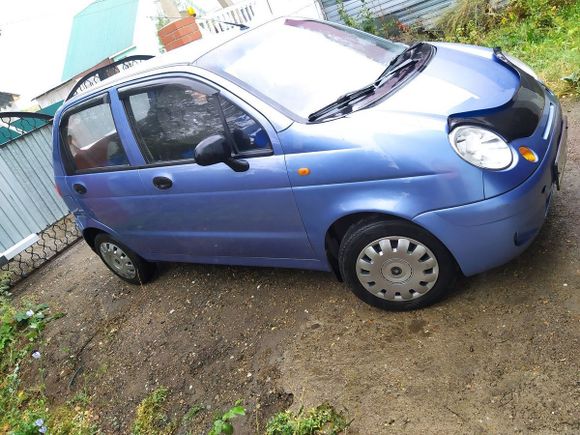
(322, 420)
(466, 16)
(365, 20)
(192, 412)
(543, 33)
(4, 284)
(24, 411)
(151, 416)
(222, 423)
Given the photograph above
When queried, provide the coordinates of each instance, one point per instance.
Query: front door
(210, 214)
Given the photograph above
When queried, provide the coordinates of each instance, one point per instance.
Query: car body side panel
(212, 213)
(403, 168)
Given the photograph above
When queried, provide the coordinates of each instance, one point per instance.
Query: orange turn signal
(303, 171)
(528, 154)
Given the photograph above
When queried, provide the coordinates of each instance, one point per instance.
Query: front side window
(248, 136)
(170, 120)
(92, 139)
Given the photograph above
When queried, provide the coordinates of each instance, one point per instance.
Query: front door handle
(162, 183)
(79, 188)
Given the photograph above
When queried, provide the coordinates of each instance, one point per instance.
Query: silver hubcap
(397, 268)
(117, 260)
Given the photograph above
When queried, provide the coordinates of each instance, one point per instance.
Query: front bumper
(489, 233)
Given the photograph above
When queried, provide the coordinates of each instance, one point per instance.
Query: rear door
(100, 174)
(210, 214)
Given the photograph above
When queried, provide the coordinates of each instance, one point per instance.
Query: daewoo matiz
(306, 144)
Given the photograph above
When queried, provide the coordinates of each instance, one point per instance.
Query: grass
(151, 416)
(543, 33)
(322, 420)
(25, 410)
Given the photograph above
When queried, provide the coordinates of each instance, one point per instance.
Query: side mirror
(216, 149)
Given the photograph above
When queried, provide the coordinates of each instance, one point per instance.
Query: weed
(543, 33)
(151, 417)
(322, 420)
(25, 410)
(5, 284)
(222, 423)
(365, 20)
(467, 19)
(193, 411)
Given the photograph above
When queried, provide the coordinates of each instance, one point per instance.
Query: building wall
(55, 95)
(425, 12)
(300, 8)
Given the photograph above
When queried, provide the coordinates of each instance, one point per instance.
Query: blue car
(307, 144)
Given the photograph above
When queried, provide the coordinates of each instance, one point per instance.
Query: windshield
(301, 65)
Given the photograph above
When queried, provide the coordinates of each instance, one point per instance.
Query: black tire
(143, 270)
(365, 232)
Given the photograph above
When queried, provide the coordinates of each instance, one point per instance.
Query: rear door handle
(79, 188)
(162, 183)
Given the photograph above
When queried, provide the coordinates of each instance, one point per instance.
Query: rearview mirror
(216, 149)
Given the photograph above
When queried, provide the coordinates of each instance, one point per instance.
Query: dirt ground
(500, 355)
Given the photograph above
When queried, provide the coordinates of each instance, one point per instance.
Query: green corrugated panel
(7, 135)
(51, 110)
(102, 29)
(28, 124)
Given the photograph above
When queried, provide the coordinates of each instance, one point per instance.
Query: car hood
(460, 78)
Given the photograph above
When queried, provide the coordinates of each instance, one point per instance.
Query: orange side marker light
(528, 154)
(303, 172)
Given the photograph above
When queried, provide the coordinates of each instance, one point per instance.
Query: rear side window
(170, 120)
(92, 139)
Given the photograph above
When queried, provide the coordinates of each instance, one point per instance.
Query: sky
(33, 42)
(34, 38)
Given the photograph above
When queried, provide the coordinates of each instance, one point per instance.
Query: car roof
(185, 55)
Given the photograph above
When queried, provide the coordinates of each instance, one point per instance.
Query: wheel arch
(337, 230)
(90, 234)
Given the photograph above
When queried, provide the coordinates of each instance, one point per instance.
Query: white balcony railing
(241, 13)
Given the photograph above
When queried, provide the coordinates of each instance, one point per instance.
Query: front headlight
(480, 147)
(521, 65)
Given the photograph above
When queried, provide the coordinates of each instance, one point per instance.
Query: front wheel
(122, 261)
(395, 265)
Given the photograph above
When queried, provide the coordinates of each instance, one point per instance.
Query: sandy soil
(500, 355)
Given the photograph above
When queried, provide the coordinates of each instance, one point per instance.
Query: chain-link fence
(53, 240)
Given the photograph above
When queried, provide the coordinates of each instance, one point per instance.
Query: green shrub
(468, 19)
(364, 21)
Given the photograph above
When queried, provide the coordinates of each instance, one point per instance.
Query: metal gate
(34, 221)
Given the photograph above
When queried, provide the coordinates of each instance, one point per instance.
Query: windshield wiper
(393, 66)
(343, 102)
(381, 79)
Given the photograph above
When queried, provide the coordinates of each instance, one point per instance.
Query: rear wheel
(122, 261)
(395, 265)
